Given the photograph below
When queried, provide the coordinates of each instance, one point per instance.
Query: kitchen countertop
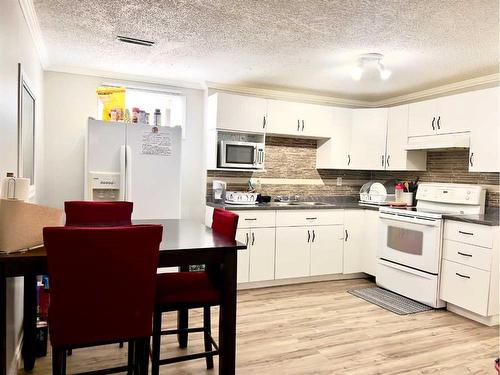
(490, 217)
(324, 203)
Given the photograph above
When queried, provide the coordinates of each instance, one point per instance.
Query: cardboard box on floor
(21, 224)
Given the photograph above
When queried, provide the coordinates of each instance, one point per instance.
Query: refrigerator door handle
(123, 174)
(128, 173)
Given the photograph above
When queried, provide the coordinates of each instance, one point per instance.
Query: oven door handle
(406, 219)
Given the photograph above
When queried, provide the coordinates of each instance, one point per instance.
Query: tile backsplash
(290, 169)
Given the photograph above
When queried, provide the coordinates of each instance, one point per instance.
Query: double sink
(295, 203)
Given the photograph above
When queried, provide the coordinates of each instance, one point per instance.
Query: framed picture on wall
(26, 124)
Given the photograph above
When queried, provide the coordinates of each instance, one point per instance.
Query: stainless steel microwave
(247, 155)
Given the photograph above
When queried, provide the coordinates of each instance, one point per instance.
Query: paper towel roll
(15, 188)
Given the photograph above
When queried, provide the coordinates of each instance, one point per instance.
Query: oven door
(410, 241)
(237, 155)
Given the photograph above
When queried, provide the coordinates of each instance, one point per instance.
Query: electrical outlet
(339, 181)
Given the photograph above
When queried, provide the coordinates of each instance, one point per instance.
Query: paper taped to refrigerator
(157, 143)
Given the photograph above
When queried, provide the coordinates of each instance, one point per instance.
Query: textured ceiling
(302, 45)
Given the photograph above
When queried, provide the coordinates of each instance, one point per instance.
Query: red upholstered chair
(187, 290)
(102, 283)
(98, 214)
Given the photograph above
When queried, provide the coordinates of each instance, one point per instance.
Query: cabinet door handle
(387, 161)
(253, 238)
(433, 120)
(346, 235)
(464, 254)
(247, 238)
(464, 276)
(467, 233)
(383, 160)
(298, 125)
(314, 236)
(302, 125)
(308, 236)
(251, 219)
(311, 218)
(438, 121)
(264, 123)
(348, 159)
(471, 159)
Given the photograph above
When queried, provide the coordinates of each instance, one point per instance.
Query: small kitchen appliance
(409, 252)
(219, 188)
(235, 154)
(377, 193)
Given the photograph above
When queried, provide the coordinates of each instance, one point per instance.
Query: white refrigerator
(137, 163)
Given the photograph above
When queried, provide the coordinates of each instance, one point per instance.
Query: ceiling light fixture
(140, 42)
(370, 59)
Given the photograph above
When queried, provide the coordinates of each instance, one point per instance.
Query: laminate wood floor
(319, 328)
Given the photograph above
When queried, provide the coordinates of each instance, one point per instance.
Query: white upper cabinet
(237, 113)
(368, 135)
(422, 118)
(333, 153)
(298, 119)
(397, 158)
(484, 142)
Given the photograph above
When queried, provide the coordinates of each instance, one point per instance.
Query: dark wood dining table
(185, 242)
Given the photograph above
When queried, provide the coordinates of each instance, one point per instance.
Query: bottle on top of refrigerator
(157, 118)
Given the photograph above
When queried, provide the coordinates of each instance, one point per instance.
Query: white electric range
(409, 253)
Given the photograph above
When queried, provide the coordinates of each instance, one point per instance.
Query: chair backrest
(225, 222)
(102, 282)
(98, 214)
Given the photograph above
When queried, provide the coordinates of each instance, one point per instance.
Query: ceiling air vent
(141, 42)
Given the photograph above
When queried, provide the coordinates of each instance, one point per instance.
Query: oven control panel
(451, 193)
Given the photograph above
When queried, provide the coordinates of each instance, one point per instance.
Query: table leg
(3, 323)
(29, 321)
(227, 316)
(183, 320)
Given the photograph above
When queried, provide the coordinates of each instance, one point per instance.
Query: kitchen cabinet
(257, 262)
(326, 250)
(354, 241)
(484, 153)
(293, 252)
(298, 119)
(368, 138)
(422, 118)
(333, 153)
(242, 235)
(261, 254)
(371, 228)
(397, 158)
(237, 113)
(470, 270)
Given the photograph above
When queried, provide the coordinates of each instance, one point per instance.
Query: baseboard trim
(300, 280)
(486, 320)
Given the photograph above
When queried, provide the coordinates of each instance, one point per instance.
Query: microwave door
(238, 156)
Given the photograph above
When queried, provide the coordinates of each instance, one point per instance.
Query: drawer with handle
(289, 218)
(465, 286)
(469, 255)
(474, 234)
(256, 219)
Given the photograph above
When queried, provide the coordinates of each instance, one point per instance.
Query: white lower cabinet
(355, 240)
(256, 263)
(470, 270)
(308, 251)
(293, 252)
(326, 250)
(371, 242)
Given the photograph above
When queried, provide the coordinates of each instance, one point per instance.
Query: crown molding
(461, 86)
(29, 14)
(288, 95)
(116, 76)
(467, 85)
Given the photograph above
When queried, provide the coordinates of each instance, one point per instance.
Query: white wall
(69, 100)
(16, 46)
